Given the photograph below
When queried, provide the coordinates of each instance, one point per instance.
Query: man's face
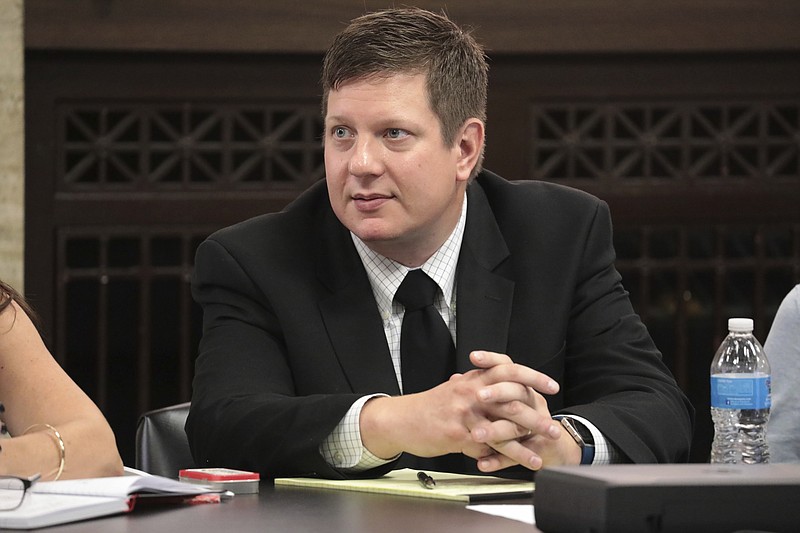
(391, 179)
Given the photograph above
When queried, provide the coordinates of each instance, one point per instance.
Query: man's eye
(339, 132)
(396, 133)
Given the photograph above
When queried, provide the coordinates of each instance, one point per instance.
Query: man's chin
(374, 237)
(373, 230)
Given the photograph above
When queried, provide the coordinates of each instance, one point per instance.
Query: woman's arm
(35, 390)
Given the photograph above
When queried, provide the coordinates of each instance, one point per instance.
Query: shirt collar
(385, 275)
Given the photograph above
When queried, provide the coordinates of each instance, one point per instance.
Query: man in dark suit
(301, 367)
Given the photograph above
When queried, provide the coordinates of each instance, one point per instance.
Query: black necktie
(427, 354)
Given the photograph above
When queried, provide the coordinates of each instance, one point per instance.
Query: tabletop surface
(303, 509)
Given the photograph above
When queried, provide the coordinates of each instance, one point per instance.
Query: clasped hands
(496, 414)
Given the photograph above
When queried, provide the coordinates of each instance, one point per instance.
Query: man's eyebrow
(335, 120)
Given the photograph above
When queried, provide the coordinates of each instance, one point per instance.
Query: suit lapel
(351, 316)
(484, 298)
(350, 313)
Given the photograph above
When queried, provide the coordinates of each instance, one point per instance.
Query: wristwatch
(582, 436)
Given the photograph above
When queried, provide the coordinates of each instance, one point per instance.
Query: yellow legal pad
(455, 487)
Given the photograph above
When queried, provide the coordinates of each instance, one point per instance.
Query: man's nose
(365, 159)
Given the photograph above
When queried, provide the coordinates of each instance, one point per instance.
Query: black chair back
(161, 444)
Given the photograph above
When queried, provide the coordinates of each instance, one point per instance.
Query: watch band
(582, 438)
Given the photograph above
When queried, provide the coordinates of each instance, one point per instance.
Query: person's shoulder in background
(783, 353)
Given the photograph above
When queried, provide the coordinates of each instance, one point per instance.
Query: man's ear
(470, 147)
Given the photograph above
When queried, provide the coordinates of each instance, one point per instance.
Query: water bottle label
(731, 391)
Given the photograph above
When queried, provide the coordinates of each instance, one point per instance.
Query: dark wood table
(300, 510)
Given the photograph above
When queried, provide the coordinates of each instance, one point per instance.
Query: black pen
(426, 481)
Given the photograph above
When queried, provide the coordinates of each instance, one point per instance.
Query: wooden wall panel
(505, 26)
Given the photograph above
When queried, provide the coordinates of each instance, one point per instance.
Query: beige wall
(12, 153)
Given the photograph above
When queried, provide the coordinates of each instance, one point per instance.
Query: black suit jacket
(292, 335)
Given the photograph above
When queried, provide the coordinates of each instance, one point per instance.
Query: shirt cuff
(343, 448)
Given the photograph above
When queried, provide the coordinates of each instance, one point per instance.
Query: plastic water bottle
(740, 397)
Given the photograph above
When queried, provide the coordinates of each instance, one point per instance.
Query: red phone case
(219, 474)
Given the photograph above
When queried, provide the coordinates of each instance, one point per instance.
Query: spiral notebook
(49, 503)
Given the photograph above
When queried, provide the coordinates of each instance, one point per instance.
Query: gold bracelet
(59, 441)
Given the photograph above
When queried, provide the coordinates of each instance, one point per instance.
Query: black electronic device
(681, 498)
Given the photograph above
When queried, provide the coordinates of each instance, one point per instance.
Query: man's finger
(510, 453)
(499, 367)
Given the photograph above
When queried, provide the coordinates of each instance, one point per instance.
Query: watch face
(570, 427)
(574, 427)
(587, 444)
(584, 432)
